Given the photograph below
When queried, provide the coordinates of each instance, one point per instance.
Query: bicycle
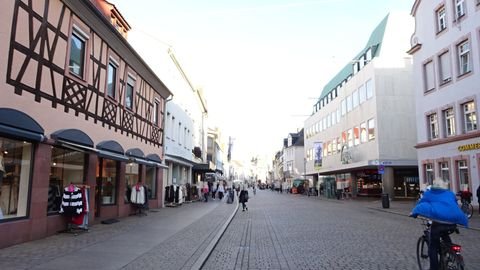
(467, 208)
(450, 257)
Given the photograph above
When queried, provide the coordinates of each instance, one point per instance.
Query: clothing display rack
(139, 199)
(75, 207)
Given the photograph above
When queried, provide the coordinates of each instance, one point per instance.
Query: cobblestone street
(281, 231)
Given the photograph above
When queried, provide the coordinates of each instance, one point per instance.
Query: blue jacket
(440, 205)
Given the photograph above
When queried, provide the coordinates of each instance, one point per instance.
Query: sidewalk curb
(208, 250)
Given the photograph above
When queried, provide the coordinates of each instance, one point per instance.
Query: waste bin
(385, 200)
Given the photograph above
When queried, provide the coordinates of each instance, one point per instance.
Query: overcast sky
(261, 63)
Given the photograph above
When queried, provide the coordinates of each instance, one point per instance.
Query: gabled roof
(374, 42)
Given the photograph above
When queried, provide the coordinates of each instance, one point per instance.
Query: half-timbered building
(77, 106)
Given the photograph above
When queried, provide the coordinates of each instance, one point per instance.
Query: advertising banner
(318, 152)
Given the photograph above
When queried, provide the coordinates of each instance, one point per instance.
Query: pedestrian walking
(205, 192)
(221, 190)
(478, 198)
(243, 198)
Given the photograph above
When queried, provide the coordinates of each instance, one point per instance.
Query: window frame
(429, 83)
(459, 6)
(115, 62)
(442, 57)
(469, 112)
(82, 33)
(449, 122)
(433, 130)
(460, 56)
(130, 77)
(156, 112)
(441, 16)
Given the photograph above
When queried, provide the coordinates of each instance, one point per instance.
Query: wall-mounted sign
(468, 147)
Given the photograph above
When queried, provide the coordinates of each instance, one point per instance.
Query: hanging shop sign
(468, 147)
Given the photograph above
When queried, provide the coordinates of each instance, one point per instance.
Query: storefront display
(67, 167)
(132, 177)
(369, 183)
(15, 164)
(151, 182)
(107, 180)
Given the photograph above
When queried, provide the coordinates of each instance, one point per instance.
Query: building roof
(374, 42)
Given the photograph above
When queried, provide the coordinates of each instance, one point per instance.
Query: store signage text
(468, 147)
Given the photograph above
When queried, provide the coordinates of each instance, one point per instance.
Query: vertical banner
(317, 146)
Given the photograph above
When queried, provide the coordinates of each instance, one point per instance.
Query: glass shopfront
(406, 183)
(369, 183)
(67, 167)
(132, 177)
(107, 172)
(151, 182)
(15, 169)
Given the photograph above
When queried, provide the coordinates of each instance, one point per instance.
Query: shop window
(132, 177)
(15, 167)
(429, 173)
(151, 182)
(444, 172)
(463, 179)
(66, 167)
(107, 175)
(469, 116)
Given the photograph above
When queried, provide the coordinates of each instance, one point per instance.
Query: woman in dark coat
(243, 198)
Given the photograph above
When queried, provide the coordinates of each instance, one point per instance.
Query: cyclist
(440, 205)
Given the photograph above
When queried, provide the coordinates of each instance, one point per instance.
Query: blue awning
(17, 124)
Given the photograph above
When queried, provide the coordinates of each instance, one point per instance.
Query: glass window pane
(132, 177)
(111, 80)
(77, 55)
(369, 88)
(67, 167)
(151, 182)
(109, 181)
(371, 129)
(15, 165)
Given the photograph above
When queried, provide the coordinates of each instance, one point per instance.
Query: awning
(74, 136)
(19, 125)
(155, 160)
(112, 155)
(204, 167)
(112, 150)
(179, 160)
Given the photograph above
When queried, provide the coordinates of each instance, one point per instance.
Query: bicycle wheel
(467, 208)
(422, 253)
(454, 262)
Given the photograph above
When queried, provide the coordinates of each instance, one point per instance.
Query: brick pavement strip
(180, 251)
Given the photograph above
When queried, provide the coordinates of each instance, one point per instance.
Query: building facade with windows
(293, 158)
(446, 55)
(79, 107)
(360, 138)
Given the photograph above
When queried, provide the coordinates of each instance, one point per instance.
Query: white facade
(365, 118)
(293, 157)
(446, 53)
